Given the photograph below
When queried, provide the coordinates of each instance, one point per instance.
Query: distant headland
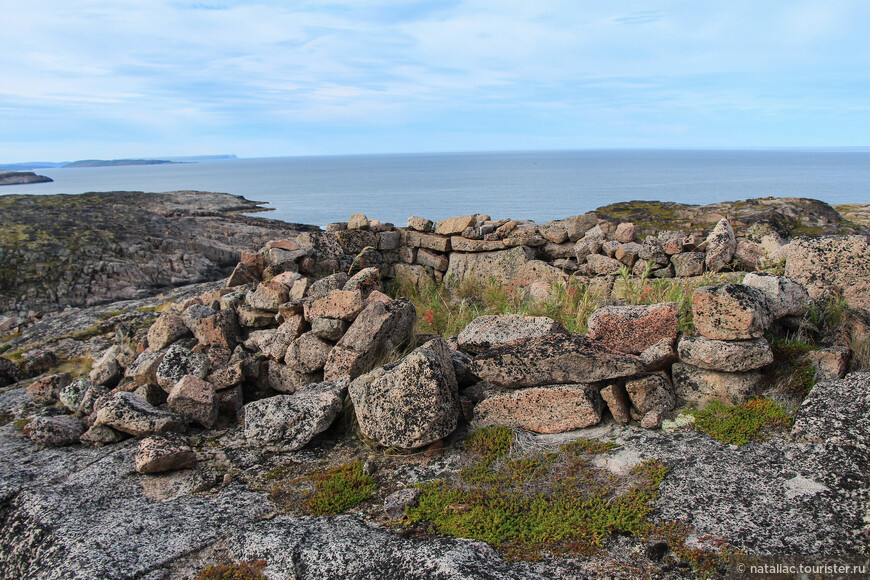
(108, 162)
(22, 177)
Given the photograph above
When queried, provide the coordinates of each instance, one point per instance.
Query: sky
(149, 78)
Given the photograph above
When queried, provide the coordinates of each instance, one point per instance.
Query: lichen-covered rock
(99, 435)
(784, 296)
(56, 431)
(688, 264)
(553, 359)
(409, 403)
(46, 389)
(275, 344)
(625, 233)
(294, 420)
(652, 251)
(831, 363)
(242, 275)
(652, 392)
(167, 329)
(696, 384)
(603, 265)
(396, 503)
(633, 329)
(250, 317)
(551, 409)
(178, 362)
(659, 356)
(268, 295)
(377, 330)
(331, 329)
(128, 413)
(106, 370)
(195, 399)
(307, 354)
(721, 245)
(454, 225)
(832, 263)
(73, 395)
(9, 373)
(836, 412)
(485, 332)
(503, 266)
(732, 356)
(212, 327)
(160, 453)
(730, 312)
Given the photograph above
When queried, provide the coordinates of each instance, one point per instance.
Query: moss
(20, 424)
(112, 314)
(250, 570)
(740, 424)
(338, 489)
(526, 506)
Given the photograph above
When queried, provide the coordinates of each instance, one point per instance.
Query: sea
(537, 185)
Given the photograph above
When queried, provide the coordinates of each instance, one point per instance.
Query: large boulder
(784, 296)
(692, 383)
(485, 332)
(721, 245)
(553, 359)
(836, 412)
(128, 413)
(294, 420)
(551, 409)
(167, 329)
(504, 266)
(730, 312)
(341, 304)
(725, 355)
(832, 263)
(379, 329)
(633, 329)
(409, 403)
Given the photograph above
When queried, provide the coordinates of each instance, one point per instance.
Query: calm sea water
(523, 185)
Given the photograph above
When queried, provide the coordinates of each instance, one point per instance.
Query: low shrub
(740, 424)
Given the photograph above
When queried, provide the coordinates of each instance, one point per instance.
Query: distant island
(22, 177)
(118, 162)
(108, 163)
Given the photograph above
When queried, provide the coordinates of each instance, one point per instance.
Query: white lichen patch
(682, 422)
(801, 486)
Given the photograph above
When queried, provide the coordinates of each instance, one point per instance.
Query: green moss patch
(740, 424)
(526, 506)
(325, 492)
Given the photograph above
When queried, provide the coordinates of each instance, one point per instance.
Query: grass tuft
(740, 424)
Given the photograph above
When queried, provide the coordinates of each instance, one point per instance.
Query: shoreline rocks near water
(301, 336)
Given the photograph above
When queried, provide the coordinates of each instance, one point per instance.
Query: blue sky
(125, 78)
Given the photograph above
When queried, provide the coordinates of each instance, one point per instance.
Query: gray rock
(651, 393)
(553, 359)
(688, 264)
(732, 356)
(178, 362)
(730, 312)
(721, 245)
(212, 327)
(9, 373)
(268, 295)
(409, 403)
(250, 317)
(56, 431)
(166, 330)
(286, 380)
(485, 332)
(366, 281)
(503, 266)
(603, 265)
(331, 329)
(324, 286)
(652, 251)
(784, 296)
(307, 354)
(295, 419)
(396, 502)
(130, 414)
(99, 435)
(462, 369)
(73, 395)
(696, 384)
(836, 412)
(832, 263)
(549, 409)
(143, 371)
(659, 356)
(160, 453)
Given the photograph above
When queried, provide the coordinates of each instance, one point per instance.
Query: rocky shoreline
(198, 418)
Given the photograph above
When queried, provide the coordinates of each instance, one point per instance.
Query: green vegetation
(330, 491)
(790, 374)
(440, 312)
(550, 502)
(250, 570)
(740, 424)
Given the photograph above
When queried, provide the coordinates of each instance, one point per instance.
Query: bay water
(540, 185)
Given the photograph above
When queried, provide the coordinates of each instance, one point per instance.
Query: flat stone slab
(837, 412)
(542, 409)
(485, 332)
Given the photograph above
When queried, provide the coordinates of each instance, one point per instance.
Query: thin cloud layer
(122, 78)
